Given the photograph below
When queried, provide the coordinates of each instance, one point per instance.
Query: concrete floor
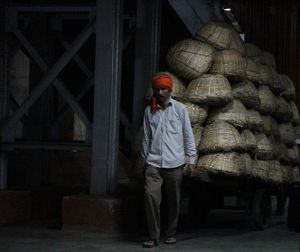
(226, 230)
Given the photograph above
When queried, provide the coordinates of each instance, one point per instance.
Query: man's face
(161, 94)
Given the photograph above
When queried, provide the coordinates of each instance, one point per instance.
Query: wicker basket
(190, 58)
(275, 83)
(216, 34)
(197, 113)
(265, 75)
(229, 63)
(297, 131)
(219, 137)
(197, 131)
(247, 93)
(234, 113)
(211, 90)
(284, 112)
(247, 164)
(237, 43)
(267, 124)
(252, 71)
(267, 100)
(253, 52)
(280, 152)
(295, 174)
(274, 128)
(268, 59)
(226, 163)
(254, 120)
(264, 149)
(275, 172)
(294, 155)
(287, 173)
(261, 169)
(296, 118)
(287, 134)
(249, 140)
(289, 93)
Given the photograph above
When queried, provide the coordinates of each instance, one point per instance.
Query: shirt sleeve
(146, 139)
(189, 140)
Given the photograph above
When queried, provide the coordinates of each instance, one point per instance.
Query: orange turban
(160, 81)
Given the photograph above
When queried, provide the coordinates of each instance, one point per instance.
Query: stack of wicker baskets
(242, 111)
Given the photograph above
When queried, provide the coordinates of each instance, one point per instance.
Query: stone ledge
(100, 213)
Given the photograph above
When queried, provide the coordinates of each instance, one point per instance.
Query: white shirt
(168, 137)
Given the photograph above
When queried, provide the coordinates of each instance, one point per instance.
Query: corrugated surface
(274, 26)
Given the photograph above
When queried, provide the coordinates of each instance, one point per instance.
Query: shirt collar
(171, 100)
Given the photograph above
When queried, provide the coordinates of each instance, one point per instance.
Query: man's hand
(190, 169)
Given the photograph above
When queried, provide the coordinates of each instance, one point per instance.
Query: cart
(207, 190)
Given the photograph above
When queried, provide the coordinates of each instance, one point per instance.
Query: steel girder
(107, 96)
(50, 76)
(147, 49)
(4, 96)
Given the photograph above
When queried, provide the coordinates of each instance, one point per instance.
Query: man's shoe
(170, 240)
(150, 244)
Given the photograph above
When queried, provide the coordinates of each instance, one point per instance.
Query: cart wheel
(261, 209)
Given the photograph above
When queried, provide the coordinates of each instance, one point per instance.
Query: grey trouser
(154, 178)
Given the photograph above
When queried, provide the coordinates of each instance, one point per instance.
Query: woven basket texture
(264, 149)
(287, 173)
(197, 113)
(197, 131)
(261, 169)
(219, 137)
(249, 140)
(275, 82)
(274, 128)
(253, 51)
(211, 90)
(216, 34)
(295, 174)
(254, 120)
(265, 75)
(283, 112)
(267, 100)
(289, 93)
(268, 59)
(234, 113)
(280, 152)
(190, 58)
(296, 118)
(247, 167)
(275, 173)
(267, 124)
(229, 63)
(237, 43)
(227, 163)
(247, 93)
(294, 155)
(287, 134)
(297, 131)
(252, 71)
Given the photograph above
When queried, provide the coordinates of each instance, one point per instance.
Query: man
(168, 144)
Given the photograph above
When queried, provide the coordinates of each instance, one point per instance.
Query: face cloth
(160, 81)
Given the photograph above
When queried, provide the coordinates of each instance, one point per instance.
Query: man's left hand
(190, 169)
